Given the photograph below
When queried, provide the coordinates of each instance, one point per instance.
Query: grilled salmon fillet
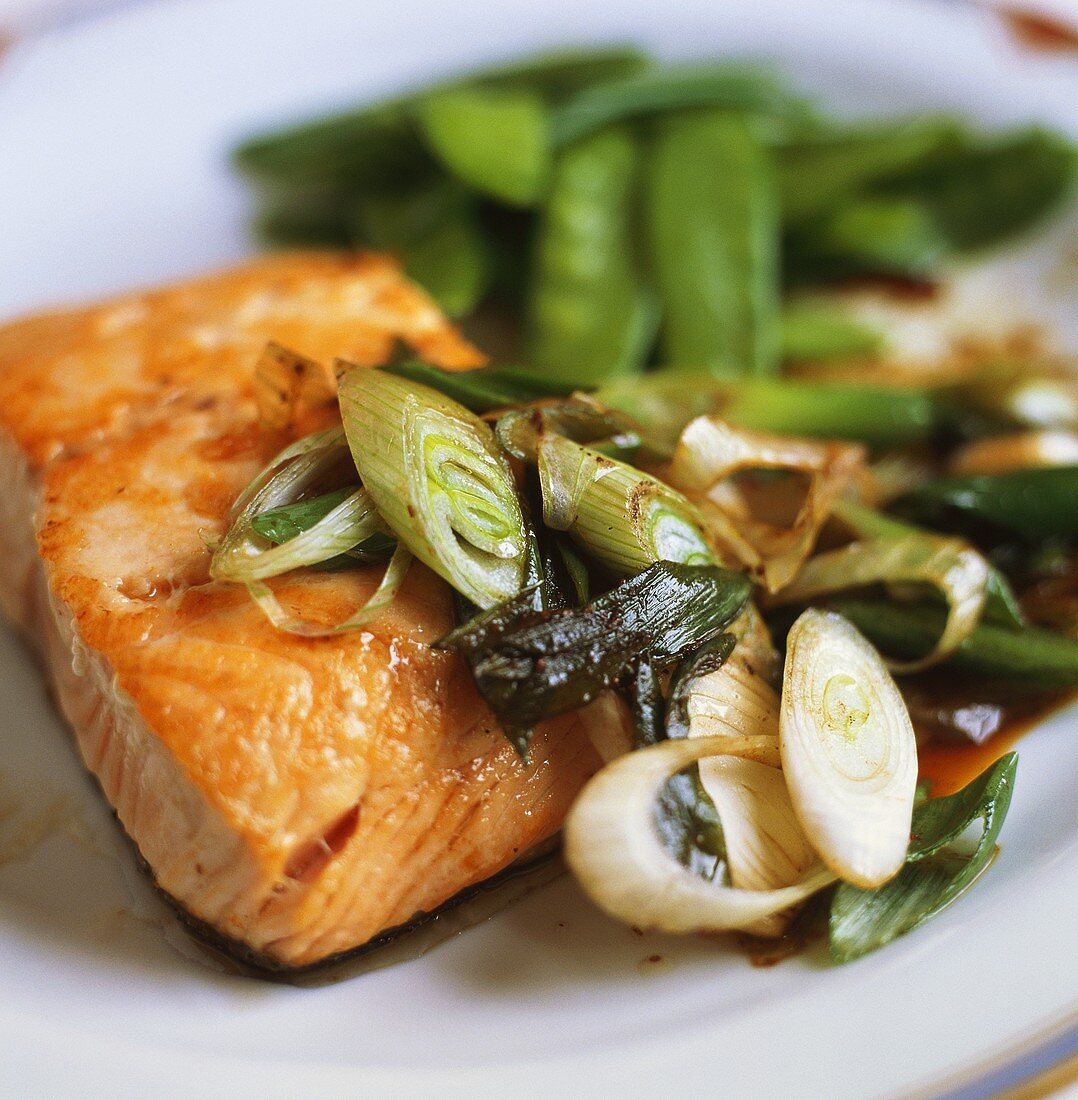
(297, 796)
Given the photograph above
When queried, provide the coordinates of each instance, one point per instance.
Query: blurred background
(19, 17)
(25, 16)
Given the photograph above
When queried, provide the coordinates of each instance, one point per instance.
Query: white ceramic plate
(113, 137)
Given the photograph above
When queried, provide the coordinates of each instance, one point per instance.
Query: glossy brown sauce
(964, 725)
(950, 765)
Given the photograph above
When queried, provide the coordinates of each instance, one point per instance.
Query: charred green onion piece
(557, 662)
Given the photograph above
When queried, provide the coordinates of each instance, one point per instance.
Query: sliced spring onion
(737, 699)
(322, 453)
(580, 419)
(689, 827)
(345, 526)
(249, 558)
(546, 664)
(706, 662)
(1027, 450)
(848, 749)
(685, 817)
(440, 482)
(382, 596)
(623, 518)
(1000, 606)
(301, 466)
(284, 523)
(664, 400)
(287, 382)
(574, 568)
(765, 846)
(934, 875)
(608, 725)
(613, 848)
(957, 570)
(710, 451)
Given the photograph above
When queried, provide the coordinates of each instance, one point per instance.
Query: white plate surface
(112, 144)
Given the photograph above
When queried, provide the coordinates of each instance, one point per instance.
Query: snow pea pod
(451, 263)
(987, 193)
(319, 216)
(879, 416)
(671, 89)
(894, 236)
(815, 176)
(713, 228)
(368, 147)
(393, 219)
(435, 230)
(558, 74)
(590, 316)
(377, 144)
(494, 140)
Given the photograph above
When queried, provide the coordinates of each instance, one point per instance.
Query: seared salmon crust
(298, 796)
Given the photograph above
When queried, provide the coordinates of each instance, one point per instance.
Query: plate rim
(1044, 1034)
